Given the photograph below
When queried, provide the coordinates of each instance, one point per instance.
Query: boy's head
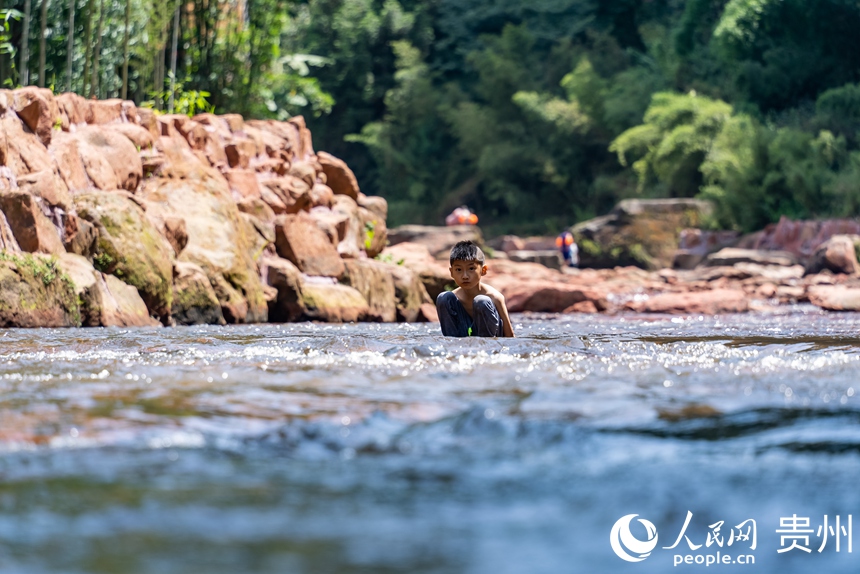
(467, 264)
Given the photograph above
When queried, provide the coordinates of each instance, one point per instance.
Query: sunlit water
(385, 448)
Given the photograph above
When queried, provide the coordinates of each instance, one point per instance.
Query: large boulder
(49, 187)
(21, 151)
(732, 255)
(287, 279)
(642, 233)
(105, 300)
(438, 240)
(130, 247)
(837, 254)
(8, 243)
(376, 284)
(800, 238)
(33, 231)
(194, 299)
(35, 292)
(217, 242)
(339, 177)
(70, 165)
(333, 303)
(299, 240)
(835, 297)
(410, 293)
(434, 274)
(38, 110)
(695, 303)
(110, 159)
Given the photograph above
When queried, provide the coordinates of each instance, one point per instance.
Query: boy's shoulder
(492, 291)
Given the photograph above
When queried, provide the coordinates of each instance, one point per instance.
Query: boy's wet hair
(466, 251)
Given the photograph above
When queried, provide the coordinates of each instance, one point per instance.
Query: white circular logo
(627, 546)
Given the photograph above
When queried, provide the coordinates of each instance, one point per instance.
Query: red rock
(339, 176)
(105, 300)
(305, 149)
(38, 110)
(256, 207)
(243, 183)
(299, 240)
(543, 296)
(110, 159)
(147, 119)
(21, 151)
(47, 185)
(836, 254)
(107, 111)
(428, 313)
(438, 239)
(433, 274)
(410, 292)
(321, 195)
(240, 151)
(70, 164)
(293, 193)
(7, 238)
(374, 282)
(835, 297)
(272, 199)
(76, 108)
(332, 302)
(374, 204)
(139, 136)
(235, 122)
(696, 303)
(582, 307)
(375, 232)
(332, 223)
(33, 231)
(194, 299)
(286, 279)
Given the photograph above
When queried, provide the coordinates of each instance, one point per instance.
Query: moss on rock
(35, 292)
(130, 247)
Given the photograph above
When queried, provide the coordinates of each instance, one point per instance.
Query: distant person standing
(569, 250)
(461, 216)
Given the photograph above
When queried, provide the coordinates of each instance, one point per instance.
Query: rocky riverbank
(113, 215)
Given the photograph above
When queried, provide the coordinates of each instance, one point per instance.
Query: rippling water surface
(385, 448)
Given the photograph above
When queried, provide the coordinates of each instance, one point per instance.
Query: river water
(386, 448)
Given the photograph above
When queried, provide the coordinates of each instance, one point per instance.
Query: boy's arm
(503, 313)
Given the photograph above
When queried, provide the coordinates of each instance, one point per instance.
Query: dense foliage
(535, 113)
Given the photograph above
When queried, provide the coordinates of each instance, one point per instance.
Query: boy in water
(472, 309)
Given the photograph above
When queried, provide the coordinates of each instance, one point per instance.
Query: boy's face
(467, 274)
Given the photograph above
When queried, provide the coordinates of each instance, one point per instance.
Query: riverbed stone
(410, 293)
(33, 231)
(7, 238)
(100, 147)
(376, 284)
(339, 177)
(194, 299)
(333, 303)
(35, 292)
(130, 247)
(286, 278)
(433, 273)
(299, 240)
(711, 302)
(837, 254)
(38, 110)
(835, 297)
(216, 242)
